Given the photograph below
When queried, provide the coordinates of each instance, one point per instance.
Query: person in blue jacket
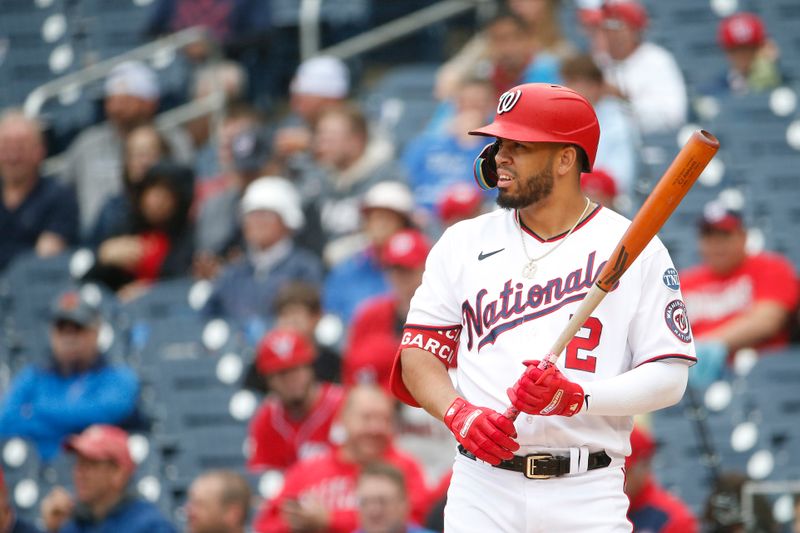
(75, 388)
(103, 501)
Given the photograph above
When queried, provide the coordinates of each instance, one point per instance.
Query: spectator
(435, 160)
(385, 209)
(231, 79)
(36, 213)
(513, 55)
(320, 494)
(320, 83)
(652, 508)
(752, 58)
(619, 144)
(459, 202)
(144, 147)
(218, 227)
(383, 505)
(734, 300)
(236, 25)
(294, 422)
(94, 159)
(723, 508)
(246, 289)
(640, 71)
(103, 468)
(9, 522)
(238, 118)
(435, 518)
(346, 163)
(403, 258)
(298, 306)
(219, 502)
(600, 187)
(156, 241)
(370, 361)
(76, 388)
(541, 19)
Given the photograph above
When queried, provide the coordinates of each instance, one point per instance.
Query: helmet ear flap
(485, 167)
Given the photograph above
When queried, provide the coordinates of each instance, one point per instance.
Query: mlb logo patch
(671, 280)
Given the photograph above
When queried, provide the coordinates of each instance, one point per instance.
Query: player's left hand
(545, 392)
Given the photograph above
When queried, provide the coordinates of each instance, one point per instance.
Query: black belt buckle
(530, 465)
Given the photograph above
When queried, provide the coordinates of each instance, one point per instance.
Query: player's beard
(531, 190)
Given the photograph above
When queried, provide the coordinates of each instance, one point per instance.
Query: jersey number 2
(587, 363)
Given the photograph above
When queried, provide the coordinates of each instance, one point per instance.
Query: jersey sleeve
(660, 326)
(434, 319)
(434, 303)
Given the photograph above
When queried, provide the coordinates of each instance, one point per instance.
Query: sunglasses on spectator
(68, 326)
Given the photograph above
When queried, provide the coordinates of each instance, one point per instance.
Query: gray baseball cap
(251, 150)
(71, 306)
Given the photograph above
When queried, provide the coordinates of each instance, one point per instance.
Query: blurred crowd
(318, 212)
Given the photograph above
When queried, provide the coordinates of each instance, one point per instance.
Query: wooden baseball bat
(665, 197)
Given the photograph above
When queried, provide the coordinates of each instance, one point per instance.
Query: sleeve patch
(671, 279)
(443, 343)
(677, 320)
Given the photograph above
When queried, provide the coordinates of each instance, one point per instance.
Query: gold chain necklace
(530, 268)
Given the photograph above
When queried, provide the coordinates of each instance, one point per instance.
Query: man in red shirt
(734, 300)
(652, 508)
(295, 420)
(319, 494)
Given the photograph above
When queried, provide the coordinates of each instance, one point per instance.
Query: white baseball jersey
(473, 279)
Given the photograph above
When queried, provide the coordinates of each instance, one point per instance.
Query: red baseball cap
(370, 361)
(282, 349)
(717, 217)
(599, 181)
(407, 249)
(629, 12)
(459, 201)
(741, 29)
(102, 442)
(642, 446)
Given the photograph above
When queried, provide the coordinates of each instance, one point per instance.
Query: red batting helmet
(539, 112)
(282, 349)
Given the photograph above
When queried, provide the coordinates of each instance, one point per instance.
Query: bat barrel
(660, 204)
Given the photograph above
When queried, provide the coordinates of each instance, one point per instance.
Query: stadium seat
(21, 466)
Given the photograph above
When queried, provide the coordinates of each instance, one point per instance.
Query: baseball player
(497, 291)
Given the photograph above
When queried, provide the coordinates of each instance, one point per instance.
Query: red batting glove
(545, 392)
(482, 431)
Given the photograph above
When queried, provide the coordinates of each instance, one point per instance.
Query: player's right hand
(482, 431)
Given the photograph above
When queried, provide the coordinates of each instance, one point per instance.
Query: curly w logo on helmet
(507, 101)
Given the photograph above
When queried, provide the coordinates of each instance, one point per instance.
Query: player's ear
(565, 159)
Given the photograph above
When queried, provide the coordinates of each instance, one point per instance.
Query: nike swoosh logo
(482, 256)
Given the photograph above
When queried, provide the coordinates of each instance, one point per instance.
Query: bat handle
(549, 360)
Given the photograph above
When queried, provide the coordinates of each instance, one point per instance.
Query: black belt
(544, 465)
